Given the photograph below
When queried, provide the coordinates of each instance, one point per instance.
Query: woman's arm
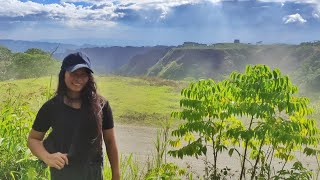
(112, 151)
(56, 160)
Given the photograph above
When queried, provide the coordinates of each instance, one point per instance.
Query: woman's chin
(76, 89)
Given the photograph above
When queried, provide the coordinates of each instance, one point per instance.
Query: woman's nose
(78, 79)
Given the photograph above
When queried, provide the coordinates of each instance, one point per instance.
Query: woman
(80, 120)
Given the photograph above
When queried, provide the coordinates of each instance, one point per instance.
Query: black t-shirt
(65, 122)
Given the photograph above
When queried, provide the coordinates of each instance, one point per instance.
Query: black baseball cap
(76, 61)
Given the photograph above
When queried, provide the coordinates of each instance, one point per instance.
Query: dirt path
(140, 142)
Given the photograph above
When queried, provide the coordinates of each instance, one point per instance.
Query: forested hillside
(140, 63)
(300, 62)
(30, 64)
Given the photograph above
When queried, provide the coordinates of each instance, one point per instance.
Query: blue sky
(160, 22)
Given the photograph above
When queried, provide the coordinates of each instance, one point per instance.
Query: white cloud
(298, 1)
(294, 18)
(316, 15)
(103, 12)
(315, 2)
(64, 12)
(144, 4)
(77, 15)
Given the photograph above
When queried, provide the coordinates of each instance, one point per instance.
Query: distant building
(237, 41)
(193, 44)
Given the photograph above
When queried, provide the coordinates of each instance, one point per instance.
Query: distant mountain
(219, 60)
(180, 63)
(22, 46)
(105, 59)
(139, 64)
(191, 60)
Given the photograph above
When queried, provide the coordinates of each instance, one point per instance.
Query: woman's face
(76, 80)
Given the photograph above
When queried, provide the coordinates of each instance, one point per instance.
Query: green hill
(219, 60)
(140, 63)
(180, 63)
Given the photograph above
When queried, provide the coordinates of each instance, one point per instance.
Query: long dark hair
(93, 104)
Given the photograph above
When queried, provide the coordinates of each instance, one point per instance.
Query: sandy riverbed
(139, 141)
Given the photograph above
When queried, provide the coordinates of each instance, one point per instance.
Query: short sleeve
(107, 119)
(42, 122)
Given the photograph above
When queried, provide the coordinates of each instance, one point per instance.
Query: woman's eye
(84, 75)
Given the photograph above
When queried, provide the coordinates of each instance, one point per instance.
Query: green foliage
(313, 43)
(5, 61)
(202, 105)
(159, 168)
(265, 98)
(165, 171)
(17, 162)
(308, 74)
(35, 51)
(31, 64)
(5, 54)
(129, 168)
(297, 172)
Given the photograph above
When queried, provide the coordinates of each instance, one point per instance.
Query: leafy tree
(5, 61)
(35, 51)
(33, 63)
(204, 107)
(265, 99)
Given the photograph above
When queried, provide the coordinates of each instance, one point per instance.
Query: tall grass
(17, 162)
(158, 165)
(129, 168)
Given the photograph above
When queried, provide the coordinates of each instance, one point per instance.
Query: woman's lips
(76, 84)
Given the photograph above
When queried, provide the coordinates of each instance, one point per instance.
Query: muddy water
(140, 142)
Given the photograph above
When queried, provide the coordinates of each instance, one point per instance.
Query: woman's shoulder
(55, 100)
(104, 102)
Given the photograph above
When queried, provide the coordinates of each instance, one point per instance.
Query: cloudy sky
(160, 22)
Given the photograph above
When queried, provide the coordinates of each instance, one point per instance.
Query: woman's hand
(56, 160)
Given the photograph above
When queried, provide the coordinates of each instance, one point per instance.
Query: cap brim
(78, 66)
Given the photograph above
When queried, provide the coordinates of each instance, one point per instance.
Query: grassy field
(137, 101)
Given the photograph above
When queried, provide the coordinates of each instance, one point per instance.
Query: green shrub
(17, 162)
